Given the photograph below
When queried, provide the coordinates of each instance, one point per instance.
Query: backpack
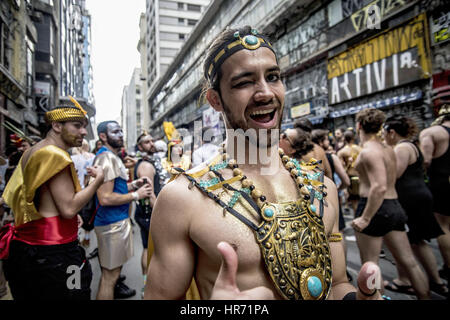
(88, 214)
(89, 211)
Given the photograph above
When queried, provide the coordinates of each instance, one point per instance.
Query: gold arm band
(335, 237)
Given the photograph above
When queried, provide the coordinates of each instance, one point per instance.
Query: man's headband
(62, 114)
(250, 42)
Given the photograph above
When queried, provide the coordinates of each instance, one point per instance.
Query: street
(134, 279)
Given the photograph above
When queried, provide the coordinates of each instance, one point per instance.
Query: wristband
(135, 196)
(350, 296)
(367, 295)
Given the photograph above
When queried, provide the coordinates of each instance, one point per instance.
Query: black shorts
(389, 217)
(56, 272)
(440, 188)
(143, 222)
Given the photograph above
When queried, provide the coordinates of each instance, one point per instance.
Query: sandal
(439, 288)
(405, 289)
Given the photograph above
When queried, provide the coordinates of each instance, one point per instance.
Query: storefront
(389, 71)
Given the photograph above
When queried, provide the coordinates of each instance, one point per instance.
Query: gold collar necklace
(291, 235)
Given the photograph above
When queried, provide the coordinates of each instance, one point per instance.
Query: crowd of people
(202, 215)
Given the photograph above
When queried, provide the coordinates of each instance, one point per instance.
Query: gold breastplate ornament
(295, 250)
(291, 235)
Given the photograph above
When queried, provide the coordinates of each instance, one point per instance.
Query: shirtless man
(379, 215)
(348, 155)
(317, 152)
(194, 235)
(435, 145)
(44, 249)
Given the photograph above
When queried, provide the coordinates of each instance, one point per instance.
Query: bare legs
(444, 240)
(107, 282)
(398, 243)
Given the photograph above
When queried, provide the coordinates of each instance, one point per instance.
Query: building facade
(168, 25)
(44, 56)
(337, 57)
(142, 49)
(132, 110)
(18, 39)
(75, 72)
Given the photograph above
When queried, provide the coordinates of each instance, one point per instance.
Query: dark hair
(138, 141)
(302, 143)
(318, 135)
(95, 150)
(304, 124)
(349, 136)
(404, 126)
(371, 120)
(103, 126)
(222, 38)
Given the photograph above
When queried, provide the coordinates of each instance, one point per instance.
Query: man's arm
(172, 264)
(427, 146)
(376, 174)
(107, 197)
(147, 170)
(340, 285)
(340, 171)
(343, 156)
(69, 202)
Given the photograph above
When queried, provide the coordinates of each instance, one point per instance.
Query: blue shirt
(110, 214)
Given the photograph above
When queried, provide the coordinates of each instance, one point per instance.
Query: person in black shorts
(146, 168)
(435, 142)
(416, 199)
(379, 216)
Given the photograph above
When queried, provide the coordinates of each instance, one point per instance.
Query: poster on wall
(211, 118)
(393, 58)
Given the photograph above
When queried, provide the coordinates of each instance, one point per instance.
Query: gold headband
(250, 42)
(61, 114)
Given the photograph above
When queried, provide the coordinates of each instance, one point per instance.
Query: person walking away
(434, 142)
(379, 216)
(417, 201)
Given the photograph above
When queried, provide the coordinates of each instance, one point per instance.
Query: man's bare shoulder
(343, 152)
(179, 194)
(435, 132)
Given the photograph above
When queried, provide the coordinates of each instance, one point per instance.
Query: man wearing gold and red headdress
(43, 260)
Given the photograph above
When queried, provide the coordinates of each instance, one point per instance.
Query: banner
(393, 58)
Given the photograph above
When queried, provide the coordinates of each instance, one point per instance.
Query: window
(181, 21)
(168, 52)
(3, 45)
(168, 36)
(30, 64)
(181, 36)
(180, 6)
(194, 7)
(192, 22)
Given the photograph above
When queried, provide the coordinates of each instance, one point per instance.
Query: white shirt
(204, 153)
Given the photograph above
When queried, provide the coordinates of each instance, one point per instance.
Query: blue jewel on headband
(251, 40)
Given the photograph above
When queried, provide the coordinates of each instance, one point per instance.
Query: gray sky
(115, 35)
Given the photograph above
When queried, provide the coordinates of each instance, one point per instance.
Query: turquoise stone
(268, 212)
(313, 208)
(251, 40)
(314, 286)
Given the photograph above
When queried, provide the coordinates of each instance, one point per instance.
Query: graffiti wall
(311, 87)
(391, 59)
(304, 40)
(439, 27)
